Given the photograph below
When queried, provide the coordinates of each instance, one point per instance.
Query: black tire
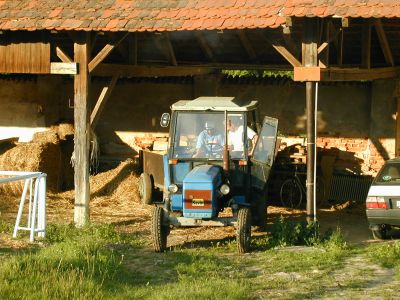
(259, 210)
(145, 188)
(243, 233)
(379, 234)
(291, 194)
(159, 231)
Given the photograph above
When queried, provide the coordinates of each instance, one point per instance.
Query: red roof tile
(168, 15)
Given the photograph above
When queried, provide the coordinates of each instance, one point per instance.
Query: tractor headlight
(173, 188)
(224, 189)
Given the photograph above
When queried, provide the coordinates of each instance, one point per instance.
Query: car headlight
(173, 188)
(224, 189)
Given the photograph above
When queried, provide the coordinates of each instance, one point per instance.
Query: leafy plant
(288, 232)
(387, 255)
(257, 73)
(334, 240)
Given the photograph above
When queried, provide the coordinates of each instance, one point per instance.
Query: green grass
(386, 254)
(5, 227)
(97, 262)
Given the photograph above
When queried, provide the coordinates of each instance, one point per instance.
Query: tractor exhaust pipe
(225, 156)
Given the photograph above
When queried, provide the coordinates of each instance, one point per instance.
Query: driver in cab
(210, 142)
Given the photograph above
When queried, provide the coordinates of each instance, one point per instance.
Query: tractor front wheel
(159, 231)
(243, 234)
(145, 188)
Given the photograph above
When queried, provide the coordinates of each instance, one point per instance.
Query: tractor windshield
(201, 135)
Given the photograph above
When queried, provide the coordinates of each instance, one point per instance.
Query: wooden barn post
(310, 59)
(81, 122)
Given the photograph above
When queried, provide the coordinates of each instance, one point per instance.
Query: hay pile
(43, 154)
(114, 193)
(118, 185)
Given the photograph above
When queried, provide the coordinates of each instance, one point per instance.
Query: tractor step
(191, 222)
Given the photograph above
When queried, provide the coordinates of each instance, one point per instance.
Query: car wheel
(243, 234)
(380, 233)
(159, 231)
(145, 188)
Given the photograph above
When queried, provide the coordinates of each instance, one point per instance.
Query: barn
(112, 67)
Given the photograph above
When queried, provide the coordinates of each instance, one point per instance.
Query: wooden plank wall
(24, 56)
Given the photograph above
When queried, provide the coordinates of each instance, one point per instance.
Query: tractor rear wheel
(159, 231)
(145, 188)
(243, 233)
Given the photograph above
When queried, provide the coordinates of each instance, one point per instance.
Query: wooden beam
(289, 41)
(104, 53)
(164, 45)
(93, 39)
(387, 53)
(323, 49)
(366, 44)
(356, 74)
(81, 124)
(340, 48)
(309, 45)
(133, 48)
(63, 68)
(397, 141)
(331, 35)
(123, 51)
(285, 53)
(170, 49)
(101, 101)
(345, 22)
(328, 74)
(204, 45)
(150, 71)
(310, 59)
(63, 56)
(246, 44)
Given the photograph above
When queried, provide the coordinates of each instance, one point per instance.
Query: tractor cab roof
(215, 104)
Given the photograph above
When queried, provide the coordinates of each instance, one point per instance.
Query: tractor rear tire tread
(243, 235)
(159, 231)
(145, 188)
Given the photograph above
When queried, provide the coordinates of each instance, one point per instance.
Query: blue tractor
(219, 156)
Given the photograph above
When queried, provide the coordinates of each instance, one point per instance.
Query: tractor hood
(200, 191)
(203, 174)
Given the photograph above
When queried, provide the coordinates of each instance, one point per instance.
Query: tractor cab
(219, 156)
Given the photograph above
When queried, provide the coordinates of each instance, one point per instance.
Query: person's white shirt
(236, 139)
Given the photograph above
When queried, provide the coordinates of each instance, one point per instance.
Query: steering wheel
(213, 150)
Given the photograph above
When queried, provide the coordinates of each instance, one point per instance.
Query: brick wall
(358, 155)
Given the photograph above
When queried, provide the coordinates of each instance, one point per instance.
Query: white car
(383, 201)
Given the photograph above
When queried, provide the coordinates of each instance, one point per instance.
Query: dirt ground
(114, 199)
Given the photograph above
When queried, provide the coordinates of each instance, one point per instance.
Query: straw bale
(65, 130)
(48, 136)
(50, 152)
(35, 157)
